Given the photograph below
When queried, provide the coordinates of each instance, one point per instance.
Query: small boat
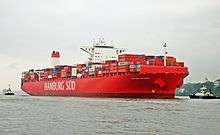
(8, 91)
(203, 94)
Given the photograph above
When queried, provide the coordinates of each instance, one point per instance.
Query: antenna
(165, 53)
(9, 86)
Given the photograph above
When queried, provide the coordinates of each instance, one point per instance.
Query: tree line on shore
(191, 88)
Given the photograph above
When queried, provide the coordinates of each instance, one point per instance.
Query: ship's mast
(9, 86)
(165, 54)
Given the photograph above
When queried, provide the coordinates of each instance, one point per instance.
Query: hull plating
(119, 86)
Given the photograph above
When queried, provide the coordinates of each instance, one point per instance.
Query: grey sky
(30, 29)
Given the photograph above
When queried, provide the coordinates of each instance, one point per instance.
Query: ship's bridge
(101, 51)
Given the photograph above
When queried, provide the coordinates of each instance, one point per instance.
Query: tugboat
(8, 91)
(203, 94)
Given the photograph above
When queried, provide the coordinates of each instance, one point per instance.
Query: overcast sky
(31, 29)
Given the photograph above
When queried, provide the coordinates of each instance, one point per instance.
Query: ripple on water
(68, 115)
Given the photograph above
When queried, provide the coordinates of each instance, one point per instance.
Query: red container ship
(110, 72)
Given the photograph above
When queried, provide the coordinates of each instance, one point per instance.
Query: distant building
(217, 83)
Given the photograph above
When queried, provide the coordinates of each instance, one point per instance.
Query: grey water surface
(27, 115)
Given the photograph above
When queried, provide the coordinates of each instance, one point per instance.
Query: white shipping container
(92, 69)
(49, 76)
(99, 72)
(137, 67)
(74, 72)
(79, 75)
(132, 66)
(96, 66)
(123, 63)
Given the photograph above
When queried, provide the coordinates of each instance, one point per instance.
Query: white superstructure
(101, 51)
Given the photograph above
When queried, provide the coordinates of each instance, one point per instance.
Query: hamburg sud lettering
(62, 85)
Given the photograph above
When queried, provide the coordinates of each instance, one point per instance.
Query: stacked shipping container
(127, 63)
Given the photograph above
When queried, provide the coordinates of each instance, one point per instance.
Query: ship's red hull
(160, 85)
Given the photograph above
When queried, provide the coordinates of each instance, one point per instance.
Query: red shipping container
(180, 64)
(171, 59)
(159, 62)
(123, 70)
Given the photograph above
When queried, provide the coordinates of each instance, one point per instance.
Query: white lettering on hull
(68, 85)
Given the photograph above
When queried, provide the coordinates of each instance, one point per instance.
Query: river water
(26, 115)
